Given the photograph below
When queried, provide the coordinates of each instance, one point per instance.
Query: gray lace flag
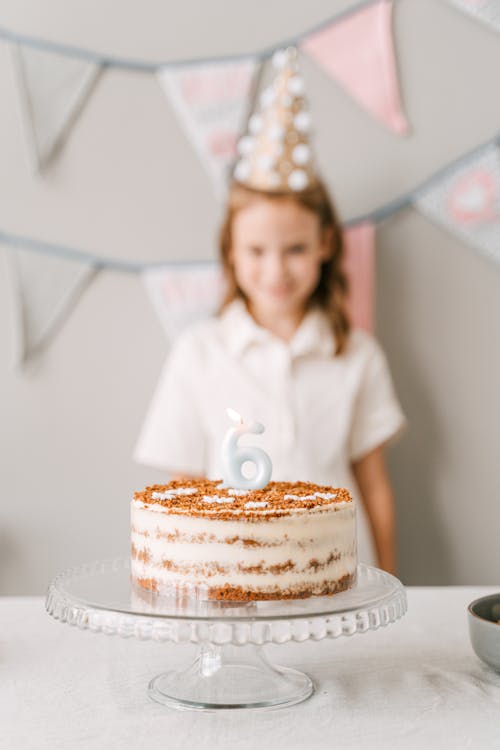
(466, 202)
(487, 11)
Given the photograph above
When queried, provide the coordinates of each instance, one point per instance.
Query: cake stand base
(230, 670)
(231, 677)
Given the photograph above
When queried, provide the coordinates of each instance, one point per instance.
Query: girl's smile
(277, 251)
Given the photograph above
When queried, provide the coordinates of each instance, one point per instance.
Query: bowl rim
(486, 598)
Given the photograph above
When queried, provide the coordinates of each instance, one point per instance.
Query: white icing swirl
(169, 494)
(315, 496)
(216, 499)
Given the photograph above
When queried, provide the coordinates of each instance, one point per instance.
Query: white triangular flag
(53, 90)
(211, 101)
(183, 295)
(46, 287)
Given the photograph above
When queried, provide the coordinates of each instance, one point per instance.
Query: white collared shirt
(320, 411)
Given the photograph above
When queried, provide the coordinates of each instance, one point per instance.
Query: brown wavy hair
(331, 292)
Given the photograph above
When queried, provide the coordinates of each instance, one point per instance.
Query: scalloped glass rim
(77, 588)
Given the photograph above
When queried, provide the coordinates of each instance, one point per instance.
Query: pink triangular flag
(359, 265)
(358, 52)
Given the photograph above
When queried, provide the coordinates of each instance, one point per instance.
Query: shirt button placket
(287, 420)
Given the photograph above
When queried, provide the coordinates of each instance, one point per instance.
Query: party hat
(275, 154)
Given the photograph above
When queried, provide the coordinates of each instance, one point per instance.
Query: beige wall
(128, 185)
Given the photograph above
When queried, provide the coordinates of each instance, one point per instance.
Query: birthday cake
(285, 541)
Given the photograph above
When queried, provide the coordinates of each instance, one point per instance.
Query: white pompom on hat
(275, 153)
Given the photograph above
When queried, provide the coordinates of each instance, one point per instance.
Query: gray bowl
(484, 630)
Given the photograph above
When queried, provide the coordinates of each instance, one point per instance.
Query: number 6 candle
(234, 456)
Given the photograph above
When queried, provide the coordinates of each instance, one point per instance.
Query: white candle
(234, 456)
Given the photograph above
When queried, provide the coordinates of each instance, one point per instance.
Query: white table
(414, 684)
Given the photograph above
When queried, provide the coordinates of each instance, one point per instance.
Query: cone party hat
(275, 154)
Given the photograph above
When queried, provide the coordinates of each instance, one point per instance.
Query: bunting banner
(486, 11)
(211, 101)
(45, 289)
(53, 90)
(359, 265)
(358, 52)
(466, 202)
(183, 295)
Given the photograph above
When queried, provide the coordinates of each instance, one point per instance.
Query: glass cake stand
(230, 670)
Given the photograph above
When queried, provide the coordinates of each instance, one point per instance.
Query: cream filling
(334, 572)
(232, 555)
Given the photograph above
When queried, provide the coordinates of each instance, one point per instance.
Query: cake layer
(288, 540)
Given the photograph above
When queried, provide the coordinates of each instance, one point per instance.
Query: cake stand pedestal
(231, 677)
(230, 670)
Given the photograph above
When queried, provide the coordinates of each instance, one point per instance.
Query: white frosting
(169, 494)
(256, 504)
(186, 540)
(216, 499)
(238, 492)
(315, 496)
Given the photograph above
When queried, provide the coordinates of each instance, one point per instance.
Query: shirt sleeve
(378, 417)
(172, 437)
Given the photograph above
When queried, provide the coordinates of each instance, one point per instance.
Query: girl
(282, 351)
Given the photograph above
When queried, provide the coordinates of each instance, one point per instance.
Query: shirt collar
(240, 331)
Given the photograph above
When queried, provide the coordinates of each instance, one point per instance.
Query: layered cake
(286, 541)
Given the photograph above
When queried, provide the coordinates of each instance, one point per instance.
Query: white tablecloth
(414, 684)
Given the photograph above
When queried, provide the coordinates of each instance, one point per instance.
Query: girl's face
(277, 251)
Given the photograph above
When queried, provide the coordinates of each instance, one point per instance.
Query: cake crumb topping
(206, 497)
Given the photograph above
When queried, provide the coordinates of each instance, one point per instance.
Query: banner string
(384, 212)
(101, 262)
(145, 66)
